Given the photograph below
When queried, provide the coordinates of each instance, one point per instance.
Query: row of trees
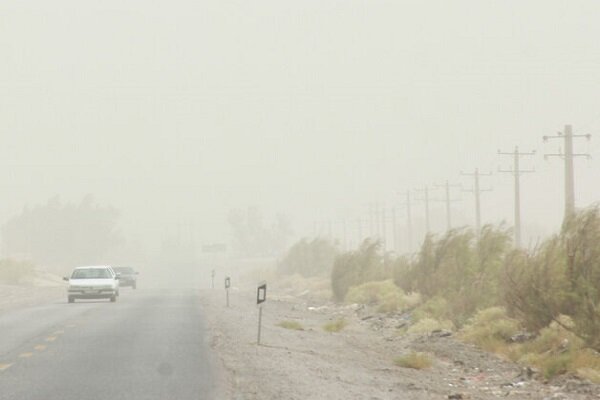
(461, 272)
(62, 234)
(253, 237)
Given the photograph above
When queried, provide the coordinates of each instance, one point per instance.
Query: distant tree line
(253, 237)
(62, 234)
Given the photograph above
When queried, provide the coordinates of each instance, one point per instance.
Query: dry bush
(434, 308)
(414, 360)
(557, 350)
(427, 325)
(562, 276)
(293, 325)
(491, 329)
(309, 258)
(357, 267)
(461, 268)
(384, 294)
(335, 326)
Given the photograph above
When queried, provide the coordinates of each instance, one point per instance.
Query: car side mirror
(65, 278)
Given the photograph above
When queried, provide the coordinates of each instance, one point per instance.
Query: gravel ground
(356, 363)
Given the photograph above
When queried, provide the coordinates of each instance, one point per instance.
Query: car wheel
(71, 299)
(113, 299)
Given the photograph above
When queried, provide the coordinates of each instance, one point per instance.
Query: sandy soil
(15, 296)
(358, 362)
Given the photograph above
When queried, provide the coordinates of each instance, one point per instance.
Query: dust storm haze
(178, 115)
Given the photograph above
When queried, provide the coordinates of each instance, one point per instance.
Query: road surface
(150, 344)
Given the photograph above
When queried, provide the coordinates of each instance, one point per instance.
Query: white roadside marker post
(227, 285)
(261, 297)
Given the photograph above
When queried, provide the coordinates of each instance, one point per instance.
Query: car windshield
(91, 273)
(124, 270)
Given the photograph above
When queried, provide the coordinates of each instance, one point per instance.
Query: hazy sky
(181, 110)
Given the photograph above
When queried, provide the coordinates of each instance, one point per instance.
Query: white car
(96, 282)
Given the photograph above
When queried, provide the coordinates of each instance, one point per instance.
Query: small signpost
(261, 297)
(227, 285)
(212, 277)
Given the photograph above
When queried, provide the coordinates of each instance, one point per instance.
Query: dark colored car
(127, 276)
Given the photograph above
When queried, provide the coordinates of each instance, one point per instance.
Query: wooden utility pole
(517, 172)
(395, 246)
(568, 156)
(425, 200)
(477, 192)
(448, 200)
(409, 227)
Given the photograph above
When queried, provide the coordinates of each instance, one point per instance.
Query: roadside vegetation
(414, 360)
(293, 325)
(335, 326)
(538, 307)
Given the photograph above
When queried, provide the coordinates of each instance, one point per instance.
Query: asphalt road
(150, 344)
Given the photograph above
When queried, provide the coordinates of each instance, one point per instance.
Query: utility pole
(517, 172)
(346, 247)
(409, 227)
(425, 199)
(447, 187)
(378, 219)
(568, 156)
(371, 228)
(360, 232)
(477, 192)
(383, 229)
(395, 246)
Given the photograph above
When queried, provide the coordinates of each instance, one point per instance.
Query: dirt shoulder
(15, 296)
(357, 362)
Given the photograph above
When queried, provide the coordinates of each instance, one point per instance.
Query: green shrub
(414, 360)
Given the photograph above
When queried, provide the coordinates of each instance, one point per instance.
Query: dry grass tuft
(293, 325)
(414, 360)
(335, 326)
